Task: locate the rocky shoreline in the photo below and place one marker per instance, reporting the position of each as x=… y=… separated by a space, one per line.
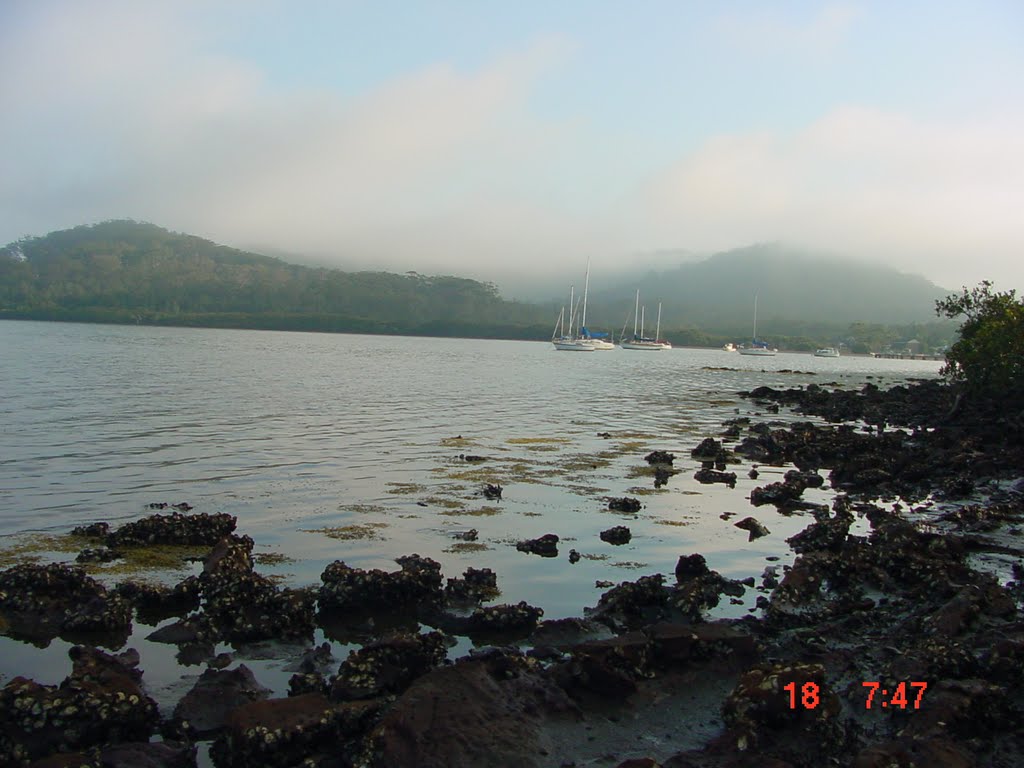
x=888 y=649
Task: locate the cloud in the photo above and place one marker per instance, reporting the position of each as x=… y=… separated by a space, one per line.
x=939 y=198
x=768 y=32
x=123 y=112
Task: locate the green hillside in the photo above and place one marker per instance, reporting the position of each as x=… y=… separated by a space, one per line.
x=126 y=271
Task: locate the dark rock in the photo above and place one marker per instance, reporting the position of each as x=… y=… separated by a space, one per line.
x=475 y=586
x=214 y=696
x=92 y=531
x=659 y=457
x=708 y=476
x=100 y=702
x=505 y=620
x=708 y=450
x=545 y=546
x=574 y=556
x=387 y=666
x=478 y=712
x=156 y=602
x=43 y=601
x=624 y=504
x=176 y=528
x=754 y=527
x=492 y=491
x=417 y=584
x=617 y=535
x=285 y=732
x=691 y=566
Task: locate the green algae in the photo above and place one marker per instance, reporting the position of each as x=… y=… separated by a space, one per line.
x=405 y=489
x=362 y=509
x=272 y=558
x=466 y=547
x=353 y=532
x=478 y=512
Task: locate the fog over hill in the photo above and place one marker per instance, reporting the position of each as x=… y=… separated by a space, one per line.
x=718 y=291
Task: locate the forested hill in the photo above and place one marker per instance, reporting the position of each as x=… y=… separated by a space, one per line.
x=133 y=272
x=127 y=271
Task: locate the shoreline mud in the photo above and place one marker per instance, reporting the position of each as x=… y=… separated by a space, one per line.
x=903 y=646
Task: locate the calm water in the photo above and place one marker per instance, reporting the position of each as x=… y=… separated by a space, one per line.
x=294 y=433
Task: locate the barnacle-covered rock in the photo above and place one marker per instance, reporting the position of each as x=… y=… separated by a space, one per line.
x=475 y=586
x=176 y=528
x=242 y=606
x=156 y=602
x=201 y=529
x=789 y=708
x=100 y=702
x=387 y=666
x=280 y=733
x=506 y=620
x=417 y=584
x=43 y=601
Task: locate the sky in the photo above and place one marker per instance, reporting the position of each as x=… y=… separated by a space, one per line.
x=481 y=138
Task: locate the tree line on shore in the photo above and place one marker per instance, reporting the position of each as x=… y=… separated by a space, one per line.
x=134 y=272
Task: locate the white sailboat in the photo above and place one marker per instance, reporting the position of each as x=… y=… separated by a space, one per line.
x=758 y=348
x=599 y=342
x=639 y=341
x=568 y=342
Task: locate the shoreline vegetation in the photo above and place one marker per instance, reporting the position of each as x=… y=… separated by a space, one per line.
x=903 y=646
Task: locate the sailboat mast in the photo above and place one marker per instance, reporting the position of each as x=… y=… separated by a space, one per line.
x=657 y=333
x=572 y=307
x=586 y=289
x=636 y=312
x=755 y=317
x=642 y=322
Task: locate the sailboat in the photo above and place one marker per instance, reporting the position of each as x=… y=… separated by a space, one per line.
x=568 y=342
x=599 y=340
x=639 y=341
x=759 y=348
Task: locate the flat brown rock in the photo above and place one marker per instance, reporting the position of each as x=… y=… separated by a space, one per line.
x=470 y=714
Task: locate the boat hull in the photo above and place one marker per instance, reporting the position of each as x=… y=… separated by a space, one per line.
x=757 y=352
x=574 y=346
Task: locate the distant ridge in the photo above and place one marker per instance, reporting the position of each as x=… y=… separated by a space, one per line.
x=791 y=285
x=137 y=272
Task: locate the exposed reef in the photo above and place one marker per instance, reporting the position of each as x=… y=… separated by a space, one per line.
x=884 y=643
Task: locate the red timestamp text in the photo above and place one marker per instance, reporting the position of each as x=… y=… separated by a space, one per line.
x=896 y=698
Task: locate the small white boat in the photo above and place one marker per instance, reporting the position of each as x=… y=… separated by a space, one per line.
x=826 y=352
x=730 y=347
x=758 y=348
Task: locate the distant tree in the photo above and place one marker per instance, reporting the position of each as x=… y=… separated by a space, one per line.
x=989 y=355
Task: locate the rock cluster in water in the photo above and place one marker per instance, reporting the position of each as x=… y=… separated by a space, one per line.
x=899 y=613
